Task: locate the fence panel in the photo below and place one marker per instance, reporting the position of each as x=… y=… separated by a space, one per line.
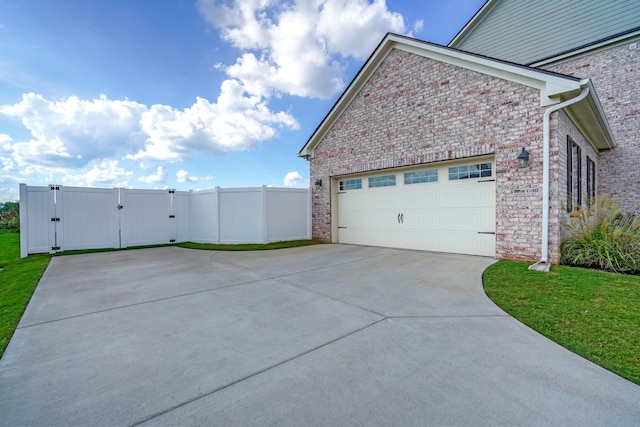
x=144 y=217
x=66 y=218
x=288 y=214
x=203 y=217
x=88 y=218
x=37 y=230
x=241 y=215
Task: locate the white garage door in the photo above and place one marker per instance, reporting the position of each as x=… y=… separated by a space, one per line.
x=444 y=208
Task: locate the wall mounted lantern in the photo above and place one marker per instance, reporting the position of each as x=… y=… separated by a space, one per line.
x=318 y=184
x=523 y=159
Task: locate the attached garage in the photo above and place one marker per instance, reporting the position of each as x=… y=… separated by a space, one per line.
x=446 y=207
x=421 y=152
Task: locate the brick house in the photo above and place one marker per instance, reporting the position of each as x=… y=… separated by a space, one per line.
x=422 y=149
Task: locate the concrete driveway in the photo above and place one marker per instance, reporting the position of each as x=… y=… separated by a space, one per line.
x=321 y=335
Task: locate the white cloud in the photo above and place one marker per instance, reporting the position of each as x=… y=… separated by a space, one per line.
x=236 y=122
x=293 y=48
x=293 y=179
x=158 y=177
x=106 y=173
x=183 y=176
x=73 y=133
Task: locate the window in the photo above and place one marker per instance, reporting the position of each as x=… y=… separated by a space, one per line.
x=579 y=174
x=351 y=184
x=382 y=181
x=418 y=177
x=478 y=170
x=591 y=181
x=569 y=174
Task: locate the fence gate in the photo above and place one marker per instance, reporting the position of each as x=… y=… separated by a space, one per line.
x=146 y=217
x=87 y=218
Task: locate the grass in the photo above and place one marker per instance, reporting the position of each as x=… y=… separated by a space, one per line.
x=247 y=246
x=18 y=280
x=593 y=313
x=9 y=247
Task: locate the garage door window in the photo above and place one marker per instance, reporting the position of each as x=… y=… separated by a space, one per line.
x=382 y=181
x=351 y=184
x=429 y=175
x=478 y=170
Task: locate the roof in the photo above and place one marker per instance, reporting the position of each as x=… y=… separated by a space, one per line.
x=527 y=32
x=553 y=87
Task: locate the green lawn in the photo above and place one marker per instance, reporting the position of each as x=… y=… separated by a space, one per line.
x=247 y=246
x=592 y=313
x=18 y=280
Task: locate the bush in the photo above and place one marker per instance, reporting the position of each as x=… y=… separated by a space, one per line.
x=602 y=237
x=10 y=216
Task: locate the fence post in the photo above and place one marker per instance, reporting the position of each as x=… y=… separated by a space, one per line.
x=265 y=215
x=24 y=223
x=217 y=197
x=309 y=214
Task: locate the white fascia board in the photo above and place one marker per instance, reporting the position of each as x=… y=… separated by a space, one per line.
x=588 y=116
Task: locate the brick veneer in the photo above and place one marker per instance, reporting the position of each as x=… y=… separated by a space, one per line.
x=414 y=110
x=616 y=75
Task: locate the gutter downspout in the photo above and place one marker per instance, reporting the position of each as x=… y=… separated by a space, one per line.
x=543 y=264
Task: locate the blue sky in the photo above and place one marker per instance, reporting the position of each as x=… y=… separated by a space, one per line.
x=184 y=94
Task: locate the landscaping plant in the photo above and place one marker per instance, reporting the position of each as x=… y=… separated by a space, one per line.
x=602 y=237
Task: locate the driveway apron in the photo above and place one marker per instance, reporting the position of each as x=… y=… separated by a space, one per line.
x=319 y=335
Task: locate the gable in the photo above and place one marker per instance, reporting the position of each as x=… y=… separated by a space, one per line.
x=526 y=32
x=552 y=88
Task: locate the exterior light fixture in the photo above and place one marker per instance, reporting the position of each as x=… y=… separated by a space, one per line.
x=523 y=158
x=318 y=184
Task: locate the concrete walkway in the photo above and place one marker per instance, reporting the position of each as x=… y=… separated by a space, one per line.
x=322 y=335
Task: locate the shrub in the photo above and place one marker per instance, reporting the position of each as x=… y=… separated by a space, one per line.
x=9 y=216
x=602 y=237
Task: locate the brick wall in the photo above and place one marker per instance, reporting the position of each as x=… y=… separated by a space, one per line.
x=558 y=177
x=615 y=73
x=415 y=110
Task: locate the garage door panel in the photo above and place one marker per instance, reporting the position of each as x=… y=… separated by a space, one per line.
x=455 y=216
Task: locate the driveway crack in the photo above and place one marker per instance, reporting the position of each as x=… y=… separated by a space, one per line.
x=254 y=374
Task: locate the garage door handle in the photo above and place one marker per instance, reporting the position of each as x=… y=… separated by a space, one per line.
x=400 y=218
x=486 y=232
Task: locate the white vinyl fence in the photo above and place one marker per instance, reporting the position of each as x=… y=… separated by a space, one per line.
x=58 y=218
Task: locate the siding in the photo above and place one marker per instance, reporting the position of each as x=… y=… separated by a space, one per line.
x=525 y=31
